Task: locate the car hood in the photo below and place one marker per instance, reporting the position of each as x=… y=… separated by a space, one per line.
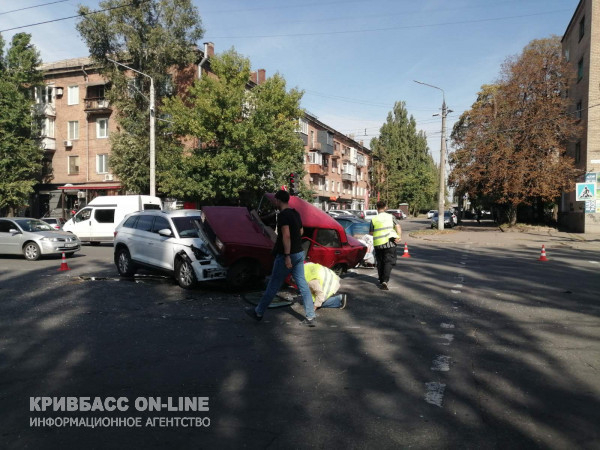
x=52 y=234
x=234 y=224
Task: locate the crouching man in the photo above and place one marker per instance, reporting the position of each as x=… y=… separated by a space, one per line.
x=324 y=284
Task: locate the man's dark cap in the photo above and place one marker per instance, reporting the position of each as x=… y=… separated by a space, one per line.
x=283 y=196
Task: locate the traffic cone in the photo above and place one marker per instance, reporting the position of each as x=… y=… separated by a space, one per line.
x=543 y=255
x=406 y=254
x=63 y=264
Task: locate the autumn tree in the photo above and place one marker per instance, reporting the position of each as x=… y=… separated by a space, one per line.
x=20 y=152
x=154 y=37
x=403 y=170
x=247 y=140
x=510 y=146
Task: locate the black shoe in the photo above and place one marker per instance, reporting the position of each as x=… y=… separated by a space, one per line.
x=309 y=322
x=252 y=313
x=344 y=301
x=384 y=286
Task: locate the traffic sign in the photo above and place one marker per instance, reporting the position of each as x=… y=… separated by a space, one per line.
x=585 y=191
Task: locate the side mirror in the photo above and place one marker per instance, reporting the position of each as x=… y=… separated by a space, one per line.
x=165 y=232
x=14 y=231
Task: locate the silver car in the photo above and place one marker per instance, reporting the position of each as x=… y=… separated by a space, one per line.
x=33 y=238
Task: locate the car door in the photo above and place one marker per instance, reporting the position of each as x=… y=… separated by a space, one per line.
x=326 y=248
x=10 y=243
x=82 y=224
x=140 y=239
x=160 y=248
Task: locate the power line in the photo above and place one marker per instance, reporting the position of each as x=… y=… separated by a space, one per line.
x=403 y=27
x=31 y=7
x=135 y=3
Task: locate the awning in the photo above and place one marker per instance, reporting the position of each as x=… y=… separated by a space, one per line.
x=83 y=187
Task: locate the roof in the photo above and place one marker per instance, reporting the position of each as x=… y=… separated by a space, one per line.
x=579 y=6
x=66 y=64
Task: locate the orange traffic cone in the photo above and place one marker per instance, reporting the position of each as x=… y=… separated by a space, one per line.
x=543 y=255
x=406 y=254
x=63 y=264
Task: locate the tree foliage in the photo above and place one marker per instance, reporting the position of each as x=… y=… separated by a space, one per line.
x=247 y=141
x=154 y=37
x=20 y=153
x=510 y=146
x=403 y=170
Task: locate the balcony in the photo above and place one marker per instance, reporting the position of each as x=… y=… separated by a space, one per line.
x=348 y=177
x=361 y=161
x=317 y=169
x=315 y=146
x=97 y=105
x=44 y=109
x=49 y=144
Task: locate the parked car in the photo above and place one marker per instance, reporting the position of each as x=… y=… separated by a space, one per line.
x=34 y=238
x=354 y=226
x=357 y=212
x=173 y=242
x=244 y=239
x=450 y=219
x=56 y=222
x=339 y=212
x=397 y=213
x=370 y=213
x=431 y=213
x=96 y=222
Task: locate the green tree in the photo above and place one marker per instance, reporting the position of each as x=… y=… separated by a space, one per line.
x=403 y=171
x=158 y=38
x=247 y=139
x=510 y=146
x=20 y=153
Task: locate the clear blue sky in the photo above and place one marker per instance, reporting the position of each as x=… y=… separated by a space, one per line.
x=353 y=59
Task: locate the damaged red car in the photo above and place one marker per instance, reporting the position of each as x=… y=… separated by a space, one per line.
x=242 y=239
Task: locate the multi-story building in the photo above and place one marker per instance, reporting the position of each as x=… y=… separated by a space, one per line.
x=581 y=47
x=336 y=166
x=77 y=120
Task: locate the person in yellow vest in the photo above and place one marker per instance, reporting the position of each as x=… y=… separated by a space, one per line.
x=324 y=284
x=386 y=232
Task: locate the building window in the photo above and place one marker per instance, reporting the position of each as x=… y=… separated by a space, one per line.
x=102 y=163
x=73 y=95
x=47 y=127
x=73 y=165
x=567 y=55
x=578 y=109
x=101 y=128
x=581 y=27
x=73 y=130
x=303 y=126
x=315 y=158
x=578 y=152
x=580 y=70
x=329 y=139
x=44 y=95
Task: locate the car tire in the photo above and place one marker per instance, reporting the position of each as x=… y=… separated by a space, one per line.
x=243 y=274
x=125 y=265
x=31 y=251
x=184 y=273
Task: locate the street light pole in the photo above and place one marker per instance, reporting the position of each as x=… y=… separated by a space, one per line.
x=152 y=128
x=442 y=191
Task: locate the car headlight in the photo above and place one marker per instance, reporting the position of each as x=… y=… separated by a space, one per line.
x=200 y=253
x=49 y=239
x=219 y=244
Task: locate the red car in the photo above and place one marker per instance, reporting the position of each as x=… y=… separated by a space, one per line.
x=243 y=240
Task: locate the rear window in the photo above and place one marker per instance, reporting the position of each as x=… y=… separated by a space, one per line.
x=144 y=223
x=328 y=238
x=149 y=206
x=104 y=215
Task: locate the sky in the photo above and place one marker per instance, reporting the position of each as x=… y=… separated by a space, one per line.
x=353 y=59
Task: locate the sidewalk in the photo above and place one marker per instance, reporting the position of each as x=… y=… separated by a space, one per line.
x=489 y=235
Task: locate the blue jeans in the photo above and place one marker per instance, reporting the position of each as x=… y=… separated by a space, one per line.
x=278 y=276
x=335 y=301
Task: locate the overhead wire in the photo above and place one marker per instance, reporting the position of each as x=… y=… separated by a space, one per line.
x=32 y=7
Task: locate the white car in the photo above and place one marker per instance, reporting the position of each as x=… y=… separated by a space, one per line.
x=431 y=213
x=173 y=242
x=370 y=213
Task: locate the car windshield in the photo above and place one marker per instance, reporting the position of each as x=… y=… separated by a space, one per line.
x=33 y=225
x=189 y=226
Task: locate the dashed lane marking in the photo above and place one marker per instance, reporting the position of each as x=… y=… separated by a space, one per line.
x=441 y=363
x=435 y=393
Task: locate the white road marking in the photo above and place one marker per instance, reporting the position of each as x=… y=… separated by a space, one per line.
x=435 y=393
x=446 y=325
x=454 y=291
x=593 y=262
x=458 y=285
x=441 y=363
x=448 y=337
x=463 y=263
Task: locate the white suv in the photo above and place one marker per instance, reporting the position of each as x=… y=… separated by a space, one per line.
x=171 y=242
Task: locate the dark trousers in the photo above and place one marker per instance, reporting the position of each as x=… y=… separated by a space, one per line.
x=386 y=258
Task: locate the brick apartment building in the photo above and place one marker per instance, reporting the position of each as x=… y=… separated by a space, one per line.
x=581 y=47
x=77 y=120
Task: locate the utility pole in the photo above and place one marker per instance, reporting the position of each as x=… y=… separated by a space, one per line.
x=442 y=191
x=152 y=127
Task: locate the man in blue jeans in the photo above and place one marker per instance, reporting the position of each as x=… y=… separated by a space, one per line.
x=289 y=258
x=324 y=284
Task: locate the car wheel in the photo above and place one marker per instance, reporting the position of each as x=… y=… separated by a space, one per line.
x=31 y=251
x=243 y=274
x=184 y=273
x=125 y=265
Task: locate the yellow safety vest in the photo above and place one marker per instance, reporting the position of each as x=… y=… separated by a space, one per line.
x=325 y=277
x=383 y=229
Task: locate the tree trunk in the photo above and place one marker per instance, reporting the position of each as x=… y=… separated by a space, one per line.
x=512 y=214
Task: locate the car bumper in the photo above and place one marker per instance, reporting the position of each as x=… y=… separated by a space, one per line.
x=208 y=270
x=50 y=248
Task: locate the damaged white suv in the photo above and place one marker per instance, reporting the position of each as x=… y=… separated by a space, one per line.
x=171 y=242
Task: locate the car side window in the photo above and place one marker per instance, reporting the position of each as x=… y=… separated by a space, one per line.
x=105 y=215
x=328 y=238
x=82 y=215
x=160 y=223
x=6 y=226
x=130 y=223
x=144 y=223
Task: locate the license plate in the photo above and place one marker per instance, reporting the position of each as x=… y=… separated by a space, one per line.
x=71 y=245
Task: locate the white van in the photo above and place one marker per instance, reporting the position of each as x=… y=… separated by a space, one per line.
x=97 y=221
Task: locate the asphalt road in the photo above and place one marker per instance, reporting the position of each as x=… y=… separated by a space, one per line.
x=471 y=348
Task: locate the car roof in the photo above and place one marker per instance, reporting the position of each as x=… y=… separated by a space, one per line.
x=173 y=213
x=352 y=219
